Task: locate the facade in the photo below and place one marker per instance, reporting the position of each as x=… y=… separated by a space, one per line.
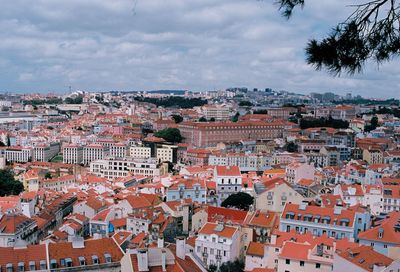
x=297 y=171
x=72 y=154
x=246 y=162
x=195 y=190
x=228 y=180
x=94 y=152
x=141 y=152
x=335 y=222
x=18 y=154
x=273 y=195
x=212 y=133
x=121 y=167
x=217 y=244
x=44 y=152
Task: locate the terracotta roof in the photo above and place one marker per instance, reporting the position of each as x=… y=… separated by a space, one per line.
x=295 y=251
x=365 y=257
x=32 y=253
x=227 y=171
x=225 y=214
x=386 y=228
x=99 y=248
x=211 y=228
x=255 y=249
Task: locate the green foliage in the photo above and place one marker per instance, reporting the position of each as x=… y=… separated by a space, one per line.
x=239 y=200
x=173 y=101
x=260 y=112
x=323 y=122
x=48 y=175
x=235 y=118
x=235 y=266
x=202 y=119
x=245 y=103
x=76 y=100
x=373 y=125
x=35 y=102
x=8 y=184
x=370 y=32
x=291 y=147
x=177 y=118
x=172 y=135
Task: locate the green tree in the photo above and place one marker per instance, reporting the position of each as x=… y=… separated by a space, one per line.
x=8 y=184
x=212 y=119
x=235 y=266
x=202 y=119
x=245 y=103
x=177 y=118
x=372 y=31
x=239 y=200
x=291 y=147
x=48 y=175
x=172 y=135
x=235 y=118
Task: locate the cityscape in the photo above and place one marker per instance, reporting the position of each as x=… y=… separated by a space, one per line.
x=101 y=170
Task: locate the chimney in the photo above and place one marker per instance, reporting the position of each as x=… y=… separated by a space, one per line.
x=78 y=242
x=181 y=247
x=160 y=241
x=164 y=260
x=143 y=260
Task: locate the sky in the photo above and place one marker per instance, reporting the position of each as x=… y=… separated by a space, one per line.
x=100 y=45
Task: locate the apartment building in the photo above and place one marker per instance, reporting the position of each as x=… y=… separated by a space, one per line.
x=211 y=133
x=94 y=152
x=217 y=244
x=217 y=112
x=335 y=222
x=140 y=152
x=44 y=152
x=195 y=190
x=297 y=171
x=228 y=180
x=246 y=162
x=120 y=167
x=118 y=150
x=72 y=154
x=18 y=154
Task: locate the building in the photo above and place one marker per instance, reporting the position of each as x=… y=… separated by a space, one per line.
x=217 y=244
x=121 y=167
x=273 y=194
x=18 y=154
x=385 y=237
x=246 y=162
x=362 y=259
x=216 y=112
x=72 y=154
x=118 y=150
x=373 y=156
x=211 y=133
x=15 y=227
x=94 y=152
x=297 y=171
x=335 y=222
x=140 y=152
x=228 y=180
x=45 y=152
x=195 y=190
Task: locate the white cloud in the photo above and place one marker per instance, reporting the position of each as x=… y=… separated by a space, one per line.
x=196 y=44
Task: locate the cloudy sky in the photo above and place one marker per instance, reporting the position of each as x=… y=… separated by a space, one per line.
x=48 y=45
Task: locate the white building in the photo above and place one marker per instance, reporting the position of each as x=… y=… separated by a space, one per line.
x=72 y=154
x=140 y=152
x=118 y=150
x=121 y=167
x=246 y=162
x=94 y=152
x=217 y=244
x=228 y=180
x=44 y=152
x=18 y=154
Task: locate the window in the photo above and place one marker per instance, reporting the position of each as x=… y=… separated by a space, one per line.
x=317 y=265
x=82 y=261
x=107 y=257
x=287 y=261
x=301 y=263
x=384 y=246
x=276 y=249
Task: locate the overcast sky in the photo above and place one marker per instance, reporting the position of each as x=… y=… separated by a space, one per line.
x=48 y=45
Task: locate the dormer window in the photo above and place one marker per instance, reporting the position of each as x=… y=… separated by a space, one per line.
x=82 y=261
x=53 y=263
x=95 y=259
x=9 y=267
x=32 y=266
x=380 y=233
x=42 y=265
x=107 y=257
x=21 y=267
x=68 y=262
